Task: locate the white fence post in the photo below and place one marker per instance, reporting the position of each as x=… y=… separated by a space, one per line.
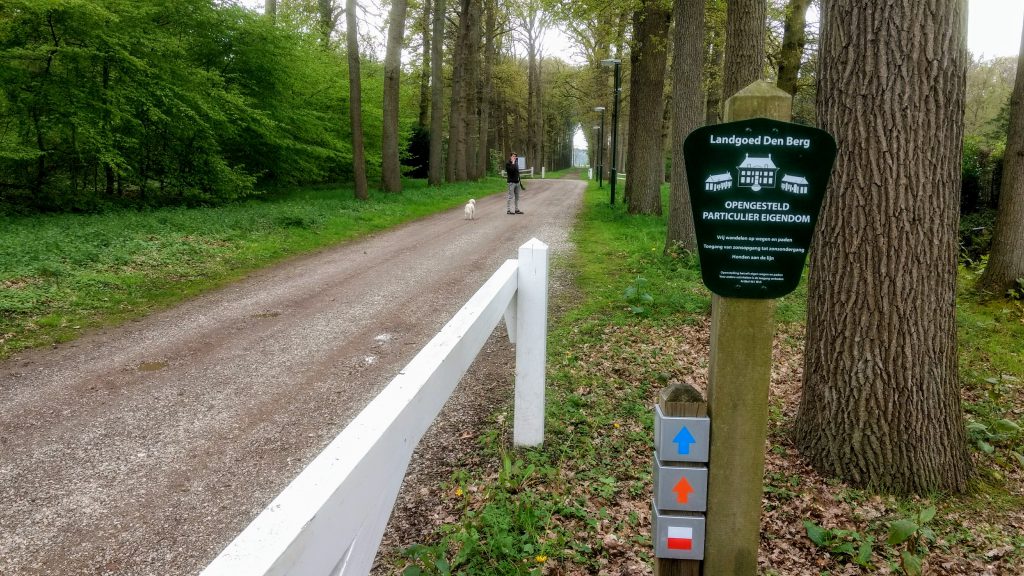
x=531 y=344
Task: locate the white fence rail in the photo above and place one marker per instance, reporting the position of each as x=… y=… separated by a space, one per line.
x=330 y=519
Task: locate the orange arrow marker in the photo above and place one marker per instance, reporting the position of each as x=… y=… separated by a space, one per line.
x=682 y=490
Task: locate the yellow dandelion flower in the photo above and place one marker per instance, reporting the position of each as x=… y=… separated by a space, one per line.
x=541 y=558
x=458 y=491
x=617 y=425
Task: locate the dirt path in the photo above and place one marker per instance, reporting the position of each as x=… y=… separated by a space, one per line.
x=146 y=449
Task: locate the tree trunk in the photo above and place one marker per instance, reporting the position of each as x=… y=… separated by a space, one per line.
x=687 y=114
x=881 y=399
x=490 y=30
x=271 y=10
x=327 y=21
x=391 y=170
x=645 y=156
x=355 y=103
x=744 y=44
x=716 y=55
x=456 y=168
x=435 y=172
x=1006 y=262
x=473 y=91
x=794 y=36
x=424 y=119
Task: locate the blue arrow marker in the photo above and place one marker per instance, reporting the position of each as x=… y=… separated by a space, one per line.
x=683 y=440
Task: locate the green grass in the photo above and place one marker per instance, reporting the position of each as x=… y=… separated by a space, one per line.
x=61 y=274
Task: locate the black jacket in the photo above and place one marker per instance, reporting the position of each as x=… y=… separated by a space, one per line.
x=511 y=171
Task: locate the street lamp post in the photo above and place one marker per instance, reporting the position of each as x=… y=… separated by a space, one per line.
x=597 y=155
x=613 y=176
x=600 y=147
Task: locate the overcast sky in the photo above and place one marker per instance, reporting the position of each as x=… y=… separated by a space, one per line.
x=994 y=28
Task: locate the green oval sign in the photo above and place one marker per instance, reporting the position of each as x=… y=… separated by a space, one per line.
x=756 y=188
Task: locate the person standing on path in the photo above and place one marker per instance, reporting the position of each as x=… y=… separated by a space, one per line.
x=514 y=186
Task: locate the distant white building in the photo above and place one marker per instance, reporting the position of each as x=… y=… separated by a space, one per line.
x=717 y=182
x=757 y=172
x=794 y=184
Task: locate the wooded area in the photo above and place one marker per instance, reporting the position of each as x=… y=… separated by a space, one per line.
x=107 y=103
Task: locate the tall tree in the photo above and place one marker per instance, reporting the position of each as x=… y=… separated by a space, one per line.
x=881 y=397
x=687 y=113
x=391 y=170
x=327 y=21
x=744 y=44
x=455 y=169
x=424 y=118
x=474 y=92
x=355 y=103
x=435 y=172
x=1006 y=262
x=794 y=36
x=714 y=38
x=271 y=9
x=645 y=158
x=533 y=21
x=490 y=33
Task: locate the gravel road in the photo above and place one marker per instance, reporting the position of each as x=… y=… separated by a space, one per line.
x=145 y=449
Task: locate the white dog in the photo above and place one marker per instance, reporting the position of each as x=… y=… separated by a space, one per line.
x=470 y=210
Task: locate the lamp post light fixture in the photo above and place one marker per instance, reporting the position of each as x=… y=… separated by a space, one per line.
x=613 y=176
x=600 y=147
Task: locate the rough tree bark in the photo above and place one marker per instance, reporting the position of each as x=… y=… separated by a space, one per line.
x=490 y=32
x=355 y=103
x=473 y=90
x=1006 y=261
x=744 y=44
x=435 y=171
x=271 y=9
x=456 y=166
x=645 y=156
x=881 y=398
x=794 y=36
x=424 y=118
x=687 y=114
x=391 y=170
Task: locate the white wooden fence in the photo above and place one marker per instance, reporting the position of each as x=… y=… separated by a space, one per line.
x=330 y=519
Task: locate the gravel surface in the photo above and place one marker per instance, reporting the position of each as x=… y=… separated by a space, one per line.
x=146 y=449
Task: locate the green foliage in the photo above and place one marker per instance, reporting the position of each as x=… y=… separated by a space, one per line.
x=845 y=544
x=165 y=102
x=1017 y=292
x=976 y=230
x=62 y=273
x=915 y=537
x=981 y=165
x=637 y=296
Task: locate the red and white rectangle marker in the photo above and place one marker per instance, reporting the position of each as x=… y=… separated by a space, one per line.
x=680 y=538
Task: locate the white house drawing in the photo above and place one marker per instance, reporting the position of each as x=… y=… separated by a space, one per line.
x=717 y=182
x=757 y=172
x=794 y=184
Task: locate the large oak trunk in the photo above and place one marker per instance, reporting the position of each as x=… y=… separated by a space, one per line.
x=687 y=113
x=1006 y=262
x=645 y=156
x=881 y=405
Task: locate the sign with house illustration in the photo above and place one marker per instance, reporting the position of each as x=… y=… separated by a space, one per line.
x=756 y=187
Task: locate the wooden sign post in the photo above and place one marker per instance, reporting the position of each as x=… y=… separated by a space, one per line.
x=756 y=186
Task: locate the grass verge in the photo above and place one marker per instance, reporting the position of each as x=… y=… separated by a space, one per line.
x=637 y=319
x=61 y=274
